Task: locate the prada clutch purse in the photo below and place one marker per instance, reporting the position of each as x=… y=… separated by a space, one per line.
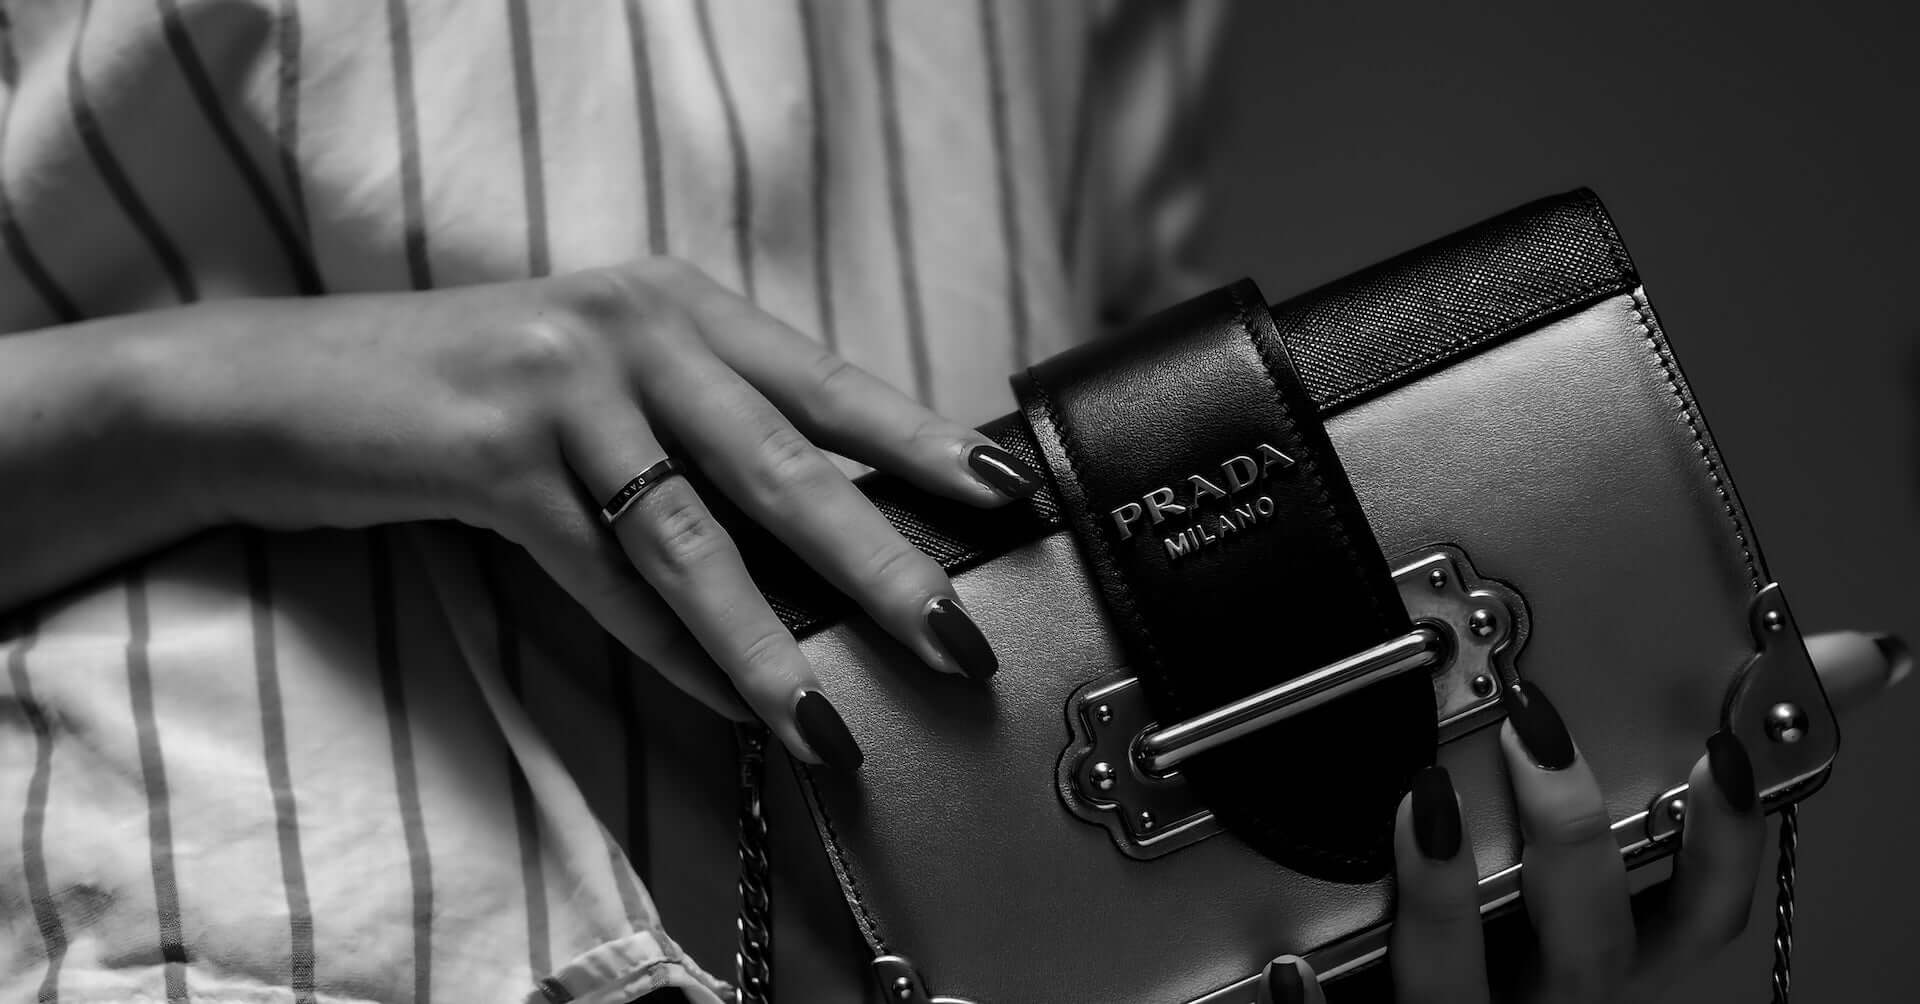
x=1286 y=556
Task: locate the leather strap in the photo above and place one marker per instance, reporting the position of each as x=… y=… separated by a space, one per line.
x=1233 y=555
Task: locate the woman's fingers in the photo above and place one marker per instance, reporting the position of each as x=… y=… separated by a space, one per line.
x=1856 y=667
x=691 y=561
x=788 y=486
x=572 y=546
x=1436 y=951
x=1573 y=879
x=1289 y=980
x=846 y=409
x=1721 y=840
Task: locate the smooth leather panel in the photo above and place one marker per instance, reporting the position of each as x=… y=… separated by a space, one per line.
x=1560 y=461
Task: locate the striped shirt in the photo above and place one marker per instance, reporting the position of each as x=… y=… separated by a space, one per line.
x=396 y=764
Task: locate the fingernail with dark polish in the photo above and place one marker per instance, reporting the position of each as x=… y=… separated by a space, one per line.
x=1282 y=983
x=1899 y=657
x=960 y=638
x=1003 y=472
x=821 y=727
x=1539 y=725
x=1732 y=771
x=1436 y=815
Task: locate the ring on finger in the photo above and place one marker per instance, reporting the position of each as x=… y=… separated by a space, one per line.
x=637 y=487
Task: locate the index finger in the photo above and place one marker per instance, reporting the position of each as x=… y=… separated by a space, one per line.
x=1856 y=667
x=847 y=410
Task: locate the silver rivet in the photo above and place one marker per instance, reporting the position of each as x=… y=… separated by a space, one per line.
x=1481 y=622
x=1146 y=819
x=1437 y=578
x=1483 y=685
x=1103 y=714
x=1786 y=723
x=903 y=988
x=1677 y=808
x=1774 y=621
x=1103 y=776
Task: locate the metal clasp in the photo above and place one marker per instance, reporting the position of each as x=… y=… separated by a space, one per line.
x=1121 y=768
x=1161 y=750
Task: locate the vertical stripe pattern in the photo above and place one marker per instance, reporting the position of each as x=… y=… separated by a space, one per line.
x=533 y=179
x=525 y=817
x=287 y=119
x=822 y=162
x=393 y=692
x=737 y=145
x=181 y=44
x=621 y=667
x=153 y=774
x=652 y=175
x=1080 y=146
x=901 y=214
x=273 y=732
x=58 y=303
x=407 y=119
x=104 y=161
x=33 y=823
x=1004 y=186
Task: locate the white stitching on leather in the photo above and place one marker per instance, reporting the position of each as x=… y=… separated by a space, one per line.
x=1642 y=312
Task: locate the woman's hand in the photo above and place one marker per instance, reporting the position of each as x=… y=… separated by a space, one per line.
x=522 y=407
x=1590 y=946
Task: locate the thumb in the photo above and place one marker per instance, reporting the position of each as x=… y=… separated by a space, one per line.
x=1289 y=980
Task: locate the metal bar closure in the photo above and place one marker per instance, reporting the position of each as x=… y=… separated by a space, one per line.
x=1233 y=557
x=1163 y=750
x=1123 y=770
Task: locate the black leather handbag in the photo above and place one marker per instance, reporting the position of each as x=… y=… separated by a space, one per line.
x=1286 y=557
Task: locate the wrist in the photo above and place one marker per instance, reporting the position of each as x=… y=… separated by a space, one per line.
x=170 y=385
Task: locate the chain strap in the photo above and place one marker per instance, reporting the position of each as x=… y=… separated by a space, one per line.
x=753 y=960
x=1783 y=904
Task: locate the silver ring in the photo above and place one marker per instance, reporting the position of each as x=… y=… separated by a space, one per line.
x=642 y=483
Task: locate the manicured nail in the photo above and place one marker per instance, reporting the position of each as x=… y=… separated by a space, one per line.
x=1436 y=815
x=1002 y=472
x=1732 y=771
x=1539 y=725
x=961 y=639
x=821 y=727
x=1282 y=983
x=1899 y=657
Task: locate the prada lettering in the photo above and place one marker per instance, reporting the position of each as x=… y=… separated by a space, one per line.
x=1211 y=500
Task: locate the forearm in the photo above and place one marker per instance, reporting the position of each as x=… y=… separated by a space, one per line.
x=89 y=479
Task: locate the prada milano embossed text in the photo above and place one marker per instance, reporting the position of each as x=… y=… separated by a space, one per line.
x=1219 y=513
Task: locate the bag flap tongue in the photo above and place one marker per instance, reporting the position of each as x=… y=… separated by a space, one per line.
x=1233 y=556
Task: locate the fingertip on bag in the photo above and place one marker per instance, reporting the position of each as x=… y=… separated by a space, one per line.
x=1539 y=726
x=1282 y=983
x=1003 y=472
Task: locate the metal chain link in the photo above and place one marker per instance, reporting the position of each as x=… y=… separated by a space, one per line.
x=753 y=960
x=1783 y=904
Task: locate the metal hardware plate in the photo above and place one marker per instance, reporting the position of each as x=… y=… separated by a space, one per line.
x=900 y=981
x=1785 y=771
x=1103 y=774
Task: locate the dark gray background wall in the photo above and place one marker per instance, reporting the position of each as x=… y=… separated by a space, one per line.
x=1760 y=161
